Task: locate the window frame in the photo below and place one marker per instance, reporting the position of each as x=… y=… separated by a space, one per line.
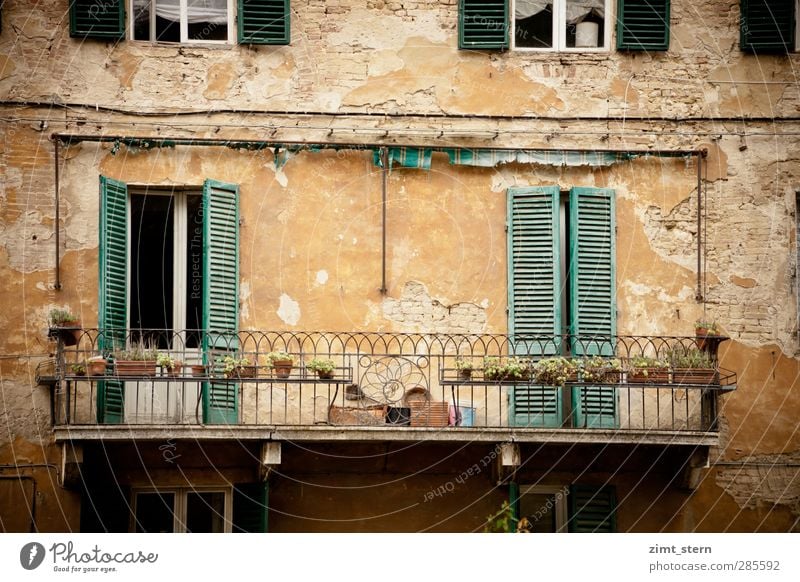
x=561 y=508
x=184 y=27
x=559 y=30
x=179 y=515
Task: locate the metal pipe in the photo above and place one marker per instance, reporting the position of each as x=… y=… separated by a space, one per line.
x=384 y=188
x=57 y=225
x=699 y=293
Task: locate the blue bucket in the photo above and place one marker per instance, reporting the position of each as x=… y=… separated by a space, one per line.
x=467 y=414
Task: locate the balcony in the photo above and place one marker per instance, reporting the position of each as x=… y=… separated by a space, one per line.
x=390 y=387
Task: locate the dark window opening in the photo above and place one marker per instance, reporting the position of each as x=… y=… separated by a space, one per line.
x=152 y=277
x=205 y=512
x=535 y=31
x=155 y=512
x=540 y=511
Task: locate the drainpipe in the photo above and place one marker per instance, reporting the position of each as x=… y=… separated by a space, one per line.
x=700 y=157
x=57 y=223
x=384 y=186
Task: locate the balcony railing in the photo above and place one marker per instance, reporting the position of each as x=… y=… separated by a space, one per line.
x=391 y=380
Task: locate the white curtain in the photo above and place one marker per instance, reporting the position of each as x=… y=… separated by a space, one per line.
x=576 y=9
x=214 y=11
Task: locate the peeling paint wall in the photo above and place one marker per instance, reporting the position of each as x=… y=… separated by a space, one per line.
x=311 y=235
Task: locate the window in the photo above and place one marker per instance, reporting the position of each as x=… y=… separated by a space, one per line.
x=168 y=261
x=562 y=282
x=643 y=25
x=560 y=24
x=196 y=510
x=183 y=21
x=768 y=26
x=575 y=508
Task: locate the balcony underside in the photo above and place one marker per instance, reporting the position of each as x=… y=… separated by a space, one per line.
x=382 y=434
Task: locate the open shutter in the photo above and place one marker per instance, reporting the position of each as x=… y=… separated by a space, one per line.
x=513 y=497
x=593 y=296
x=251 y=508
x=113 y=301
x=483 y=24
x=220 y=295
x=94 y=19
x=767 y=25
x=643 y=25
x=534 y=283
x=592 y=509
x=264 y=22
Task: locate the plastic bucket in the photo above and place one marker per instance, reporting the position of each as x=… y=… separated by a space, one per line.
x=586 y=34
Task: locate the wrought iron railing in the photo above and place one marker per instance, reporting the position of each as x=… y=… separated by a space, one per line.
x=390 y=380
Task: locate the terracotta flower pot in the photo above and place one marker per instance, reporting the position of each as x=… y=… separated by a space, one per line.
x=174 y=371
x=135 y=367
x=198 y=370
x=325 y=375
x=702 y=376
x=648 y=376
x=96 y=367
x=68 y=332
x=282 y=368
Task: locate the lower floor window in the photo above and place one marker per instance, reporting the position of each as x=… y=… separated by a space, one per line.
x=182 y=510
x=543 y=509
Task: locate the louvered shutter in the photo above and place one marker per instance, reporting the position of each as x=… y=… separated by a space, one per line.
x=593 y=296
x=264 y=22
x=97 y=19
x=483 y=24
x=220 y=295
x=592 y=509
x=767 y=25
x=251 y=508
x=113 y=301
x=643 y=25
x=534 y=283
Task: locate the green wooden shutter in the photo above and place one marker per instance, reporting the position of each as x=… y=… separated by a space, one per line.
x=767 y=25
x=251 y=508
x=483 y=24
x=220 y=295
x=264 y=22
x=643 y=25
x=593 y=296
x=513 y=497
x=534 y=307
x=592 y=509
x=113 y=300
x=97 y=19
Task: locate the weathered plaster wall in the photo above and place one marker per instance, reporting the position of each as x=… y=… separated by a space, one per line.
x=311 y=233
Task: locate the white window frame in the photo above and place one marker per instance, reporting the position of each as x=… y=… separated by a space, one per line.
x=560 y=507
x=184 y=26
x=181 y=494
x=559 y=30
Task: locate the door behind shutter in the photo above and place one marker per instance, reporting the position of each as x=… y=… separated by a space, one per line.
x=220 y=296
x=113 y=300
x=534 y=307
x=593 y=293
x=592 y=509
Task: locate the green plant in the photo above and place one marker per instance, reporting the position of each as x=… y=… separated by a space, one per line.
x=138 y=352
x=513 y=368
x=78 y=369
x=554 y=371
x=599 y=369
x=231 y=365
x=61 y=318
x=166 y=361
x=711 y=327
x=463 y=364
x=690 y=358
x=321 y=366
x=502 y=521
x=273 y=357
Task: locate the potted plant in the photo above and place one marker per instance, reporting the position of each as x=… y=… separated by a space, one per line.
x=198 y=370
x=78 y=369
x=64 y=326
x=647 y=370
x=138 y=360
x=692 y=366
x=96 y=366
x=323 y=367
x=704 y=330
x=601 y=370
x=281 y=362
x=169 y=366
x=465 y=368
x=513 y=369
x=236 y=367
x=555 y=371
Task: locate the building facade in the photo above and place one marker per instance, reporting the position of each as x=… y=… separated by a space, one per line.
x=548 y=193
